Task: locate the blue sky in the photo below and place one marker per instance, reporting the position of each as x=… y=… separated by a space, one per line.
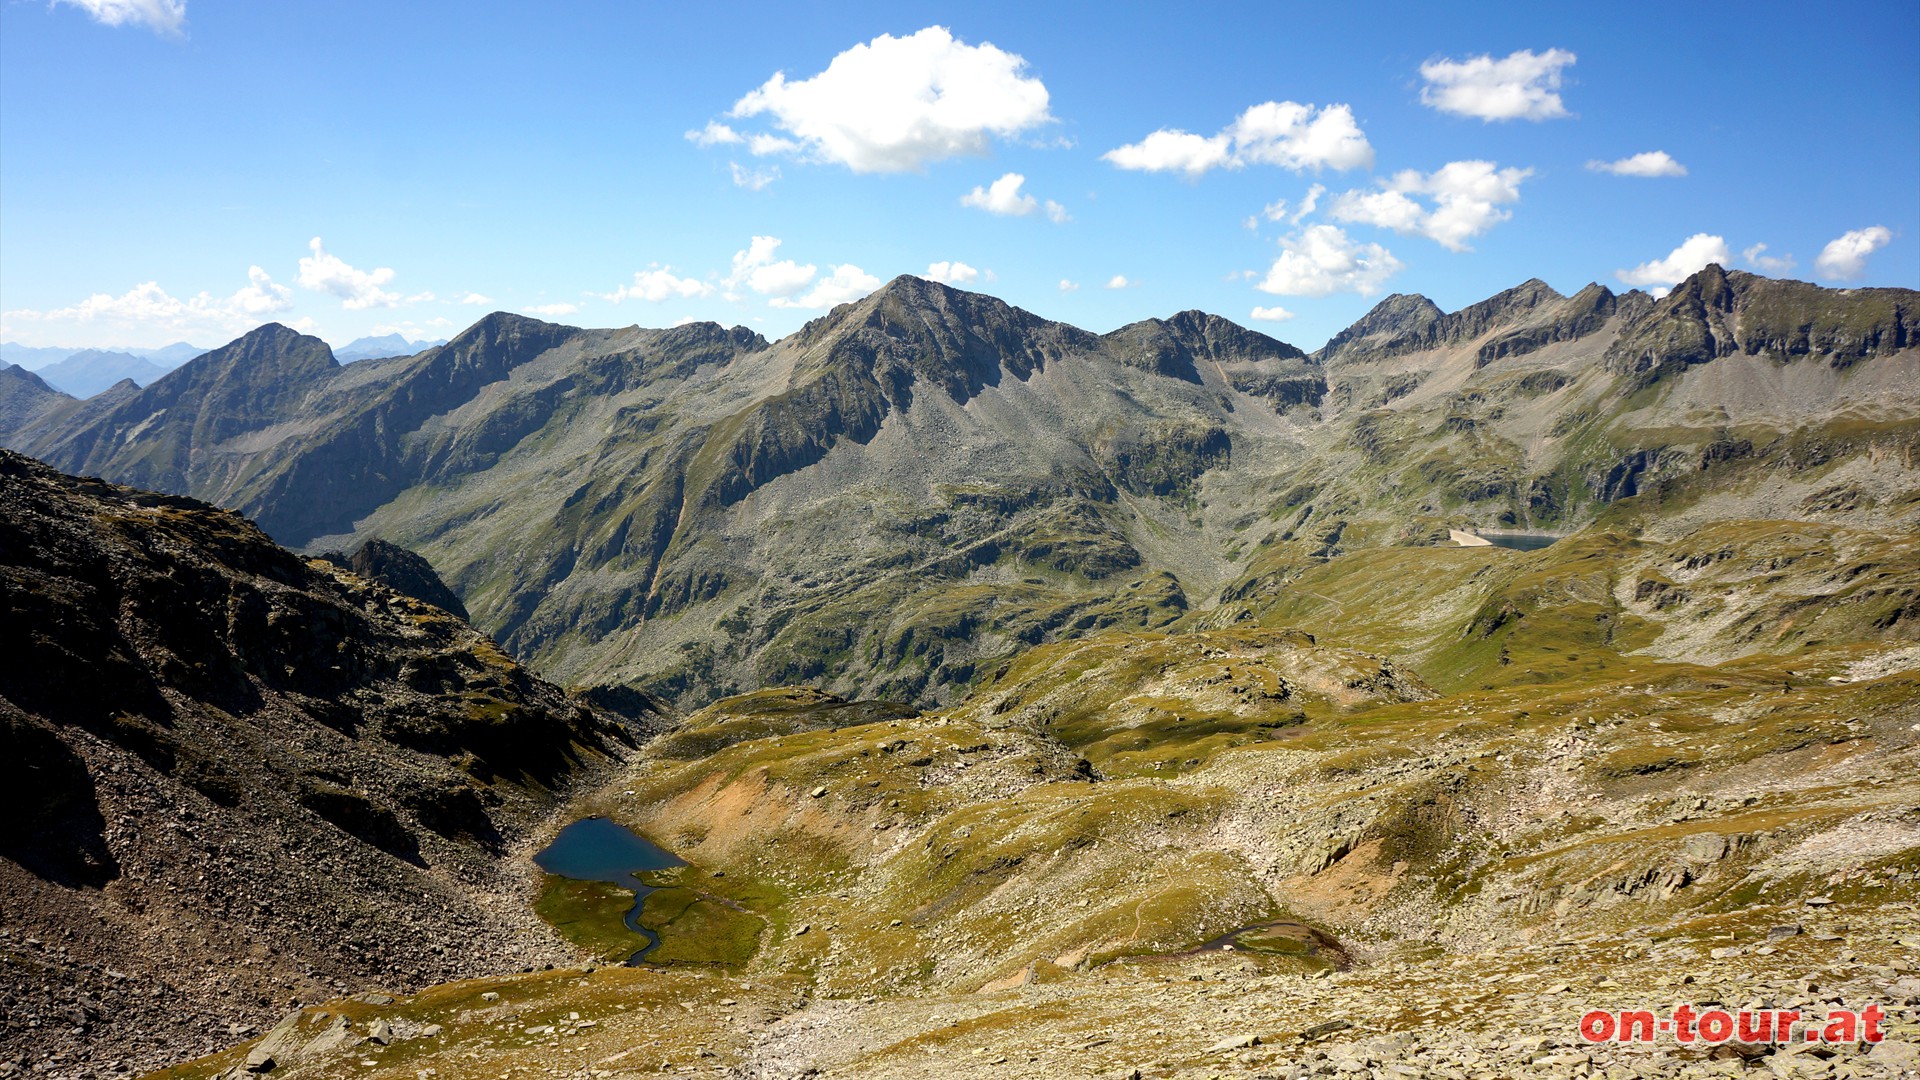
x=167 y=165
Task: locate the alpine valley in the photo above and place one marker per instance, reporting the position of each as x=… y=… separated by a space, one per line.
x=1022 y=701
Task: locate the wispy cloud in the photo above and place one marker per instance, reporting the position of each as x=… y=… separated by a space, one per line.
x=1757 y=258
x=753 y=179
x=167 y=17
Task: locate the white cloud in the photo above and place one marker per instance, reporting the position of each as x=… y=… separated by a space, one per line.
x=1650 y=163
x=1119 y=281
x=1173 y=150
x=1467 y=196
x=846 y=283
x=1003 y=197
x=714 y=134
x=261 y=296
x=764 y=145
x=1284 y=133
x=1846 y=257
x=1692 y=256
x=162 y=16
x=357 y=289
x=753 y=179
x=147 y=315
x=1057 y=213
x=474 y=298
x=658 y=283
x=756 y=269
x=951 y=273
x=896 y=104
x=1277 y=210
x=1294 y=136
x=1320 y=260
x=1522 y=86
x=551 y=310
x=1069 y=286
x=1272 y=314
x=1757 y=258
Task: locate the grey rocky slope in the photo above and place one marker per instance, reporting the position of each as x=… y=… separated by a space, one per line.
x=925 y=482
x=232 y=775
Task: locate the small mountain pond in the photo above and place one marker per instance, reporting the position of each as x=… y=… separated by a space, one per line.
x=599 y=849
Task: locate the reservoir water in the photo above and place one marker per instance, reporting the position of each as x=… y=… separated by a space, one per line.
x=600 y=849
x=1520 y=541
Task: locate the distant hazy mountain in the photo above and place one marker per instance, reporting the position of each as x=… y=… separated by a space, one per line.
x=90 y=371
x=916 y=486
x=370 y=348
x=169 y=356
x=33 y=358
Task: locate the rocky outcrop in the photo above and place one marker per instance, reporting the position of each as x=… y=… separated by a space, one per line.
x=231 y=773
x=402 y=571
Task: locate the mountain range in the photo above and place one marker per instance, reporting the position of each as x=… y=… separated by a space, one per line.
x=920 y=484
x=34 y=358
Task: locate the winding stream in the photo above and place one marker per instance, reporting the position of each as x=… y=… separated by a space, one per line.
x=600 y=849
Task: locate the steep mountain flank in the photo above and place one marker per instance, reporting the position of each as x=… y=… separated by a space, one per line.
x=231 y=773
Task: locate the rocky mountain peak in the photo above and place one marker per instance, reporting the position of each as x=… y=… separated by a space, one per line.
x=1710 y=287
x=1717 y=312
x=914 y=330
x=1172 y=346
x=1399 y=315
